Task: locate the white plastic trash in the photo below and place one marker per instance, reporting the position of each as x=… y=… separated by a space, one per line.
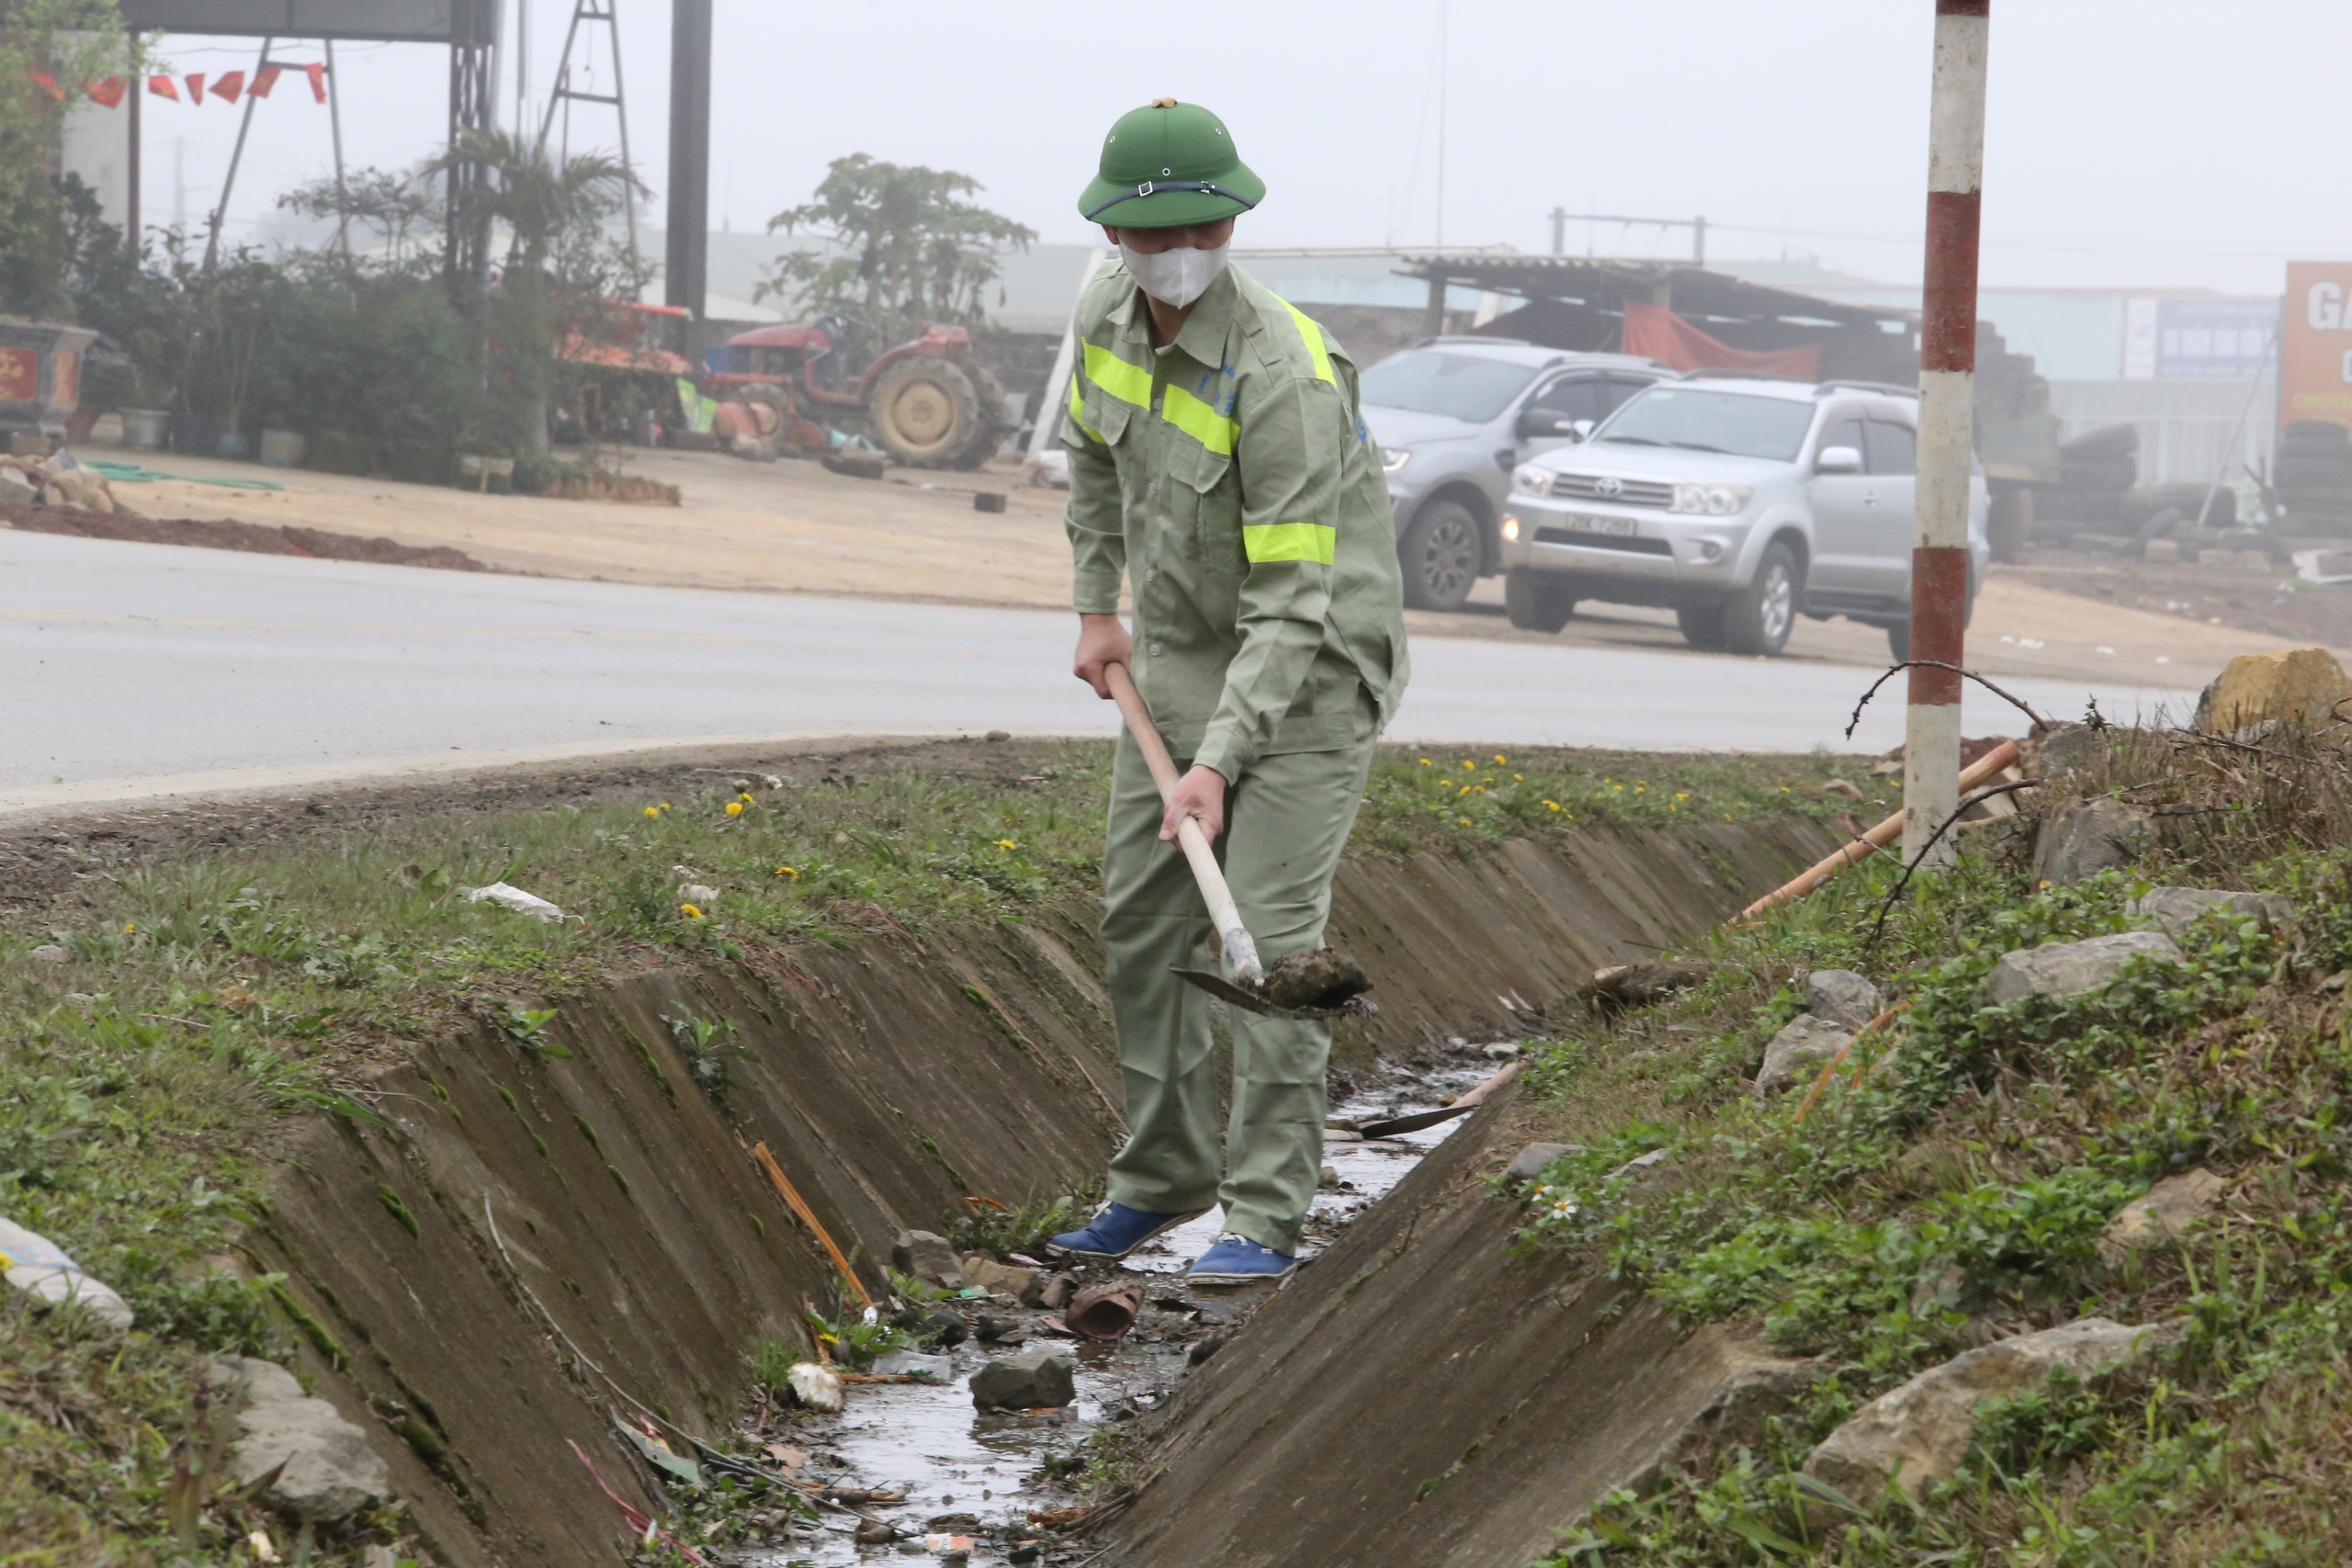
x=514 y=898
x=819 y=1388
x=39 y=1267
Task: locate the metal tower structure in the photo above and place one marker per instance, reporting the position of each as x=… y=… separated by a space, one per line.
x=473 y=87
x=688 y=264
x=603 y=13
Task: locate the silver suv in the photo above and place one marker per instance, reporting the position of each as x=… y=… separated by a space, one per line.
x=1454 y=416
x=1737 y=503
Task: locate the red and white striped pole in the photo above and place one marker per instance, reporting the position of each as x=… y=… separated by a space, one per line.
x=1947 y=400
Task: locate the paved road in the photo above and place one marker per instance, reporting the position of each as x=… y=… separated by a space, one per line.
x=132 y=670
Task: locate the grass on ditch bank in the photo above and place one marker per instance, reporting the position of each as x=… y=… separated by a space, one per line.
x=205 y=996
x=1960 y=1196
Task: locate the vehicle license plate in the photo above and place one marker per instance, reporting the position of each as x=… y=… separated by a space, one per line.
x=1594 y=523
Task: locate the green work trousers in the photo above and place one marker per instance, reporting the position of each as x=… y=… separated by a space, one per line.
x=1286 y=823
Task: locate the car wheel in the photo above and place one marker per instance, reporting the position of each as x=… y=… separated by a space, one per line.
x=1758 y=618
x=1702 y=624
x=1537 y=601
x=1442 y=551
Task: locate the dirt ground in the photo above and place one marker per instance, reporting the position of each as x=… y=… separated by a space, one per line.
x=793 y=527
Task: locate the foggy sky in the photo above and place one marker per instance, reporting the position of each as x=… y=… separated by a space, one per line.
x=2130 y=142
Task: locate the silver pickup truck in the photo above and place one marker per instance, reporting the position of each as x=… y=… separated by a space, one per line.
x=1737 y=503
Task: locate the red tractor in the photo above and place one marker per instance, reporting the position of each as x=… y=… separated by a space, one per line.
x=929 y=403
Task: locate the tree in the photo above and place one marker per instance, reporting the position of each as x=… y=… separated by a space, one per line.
x=387 y=206
x=49 y=50
x=906 y=247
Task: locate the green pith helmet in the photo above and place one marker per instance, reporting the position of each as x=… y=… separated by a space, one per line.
x=1167 y=164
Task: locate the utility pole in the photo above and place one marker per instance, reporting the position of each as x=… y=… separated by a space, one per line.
x=1947 y=400
x=1699 y=240
x=685 y=276
x=1559 y=230
x=132 y=193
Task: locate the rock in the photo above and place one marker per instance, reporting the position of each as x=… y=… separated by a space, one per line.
x=50 y=953
x=944 y=1329
x=1920 y=1432
x=998 y=1330
x=874 y=1532
x=2173 y=909
x=2299 y=686
x=1327 y=1178
x=1796 y=1053
x=1321 y=978
x=1026 y=1286
x=2062 y=969
x=1529 y=1164
x=2068 y=748
x=1846 y=787
x=1030 y=1380
x=1842 y=997
x=853 y=464
x=1627 y=986
x=1058 y=1291
x=999 y=735
x=1640 y=1166
x=329 y=1471
x=924 y=1255
x=15 y=487
x=914 y=1364
x=1203 y=1348
x=2089 y=836
x=2166 y=1210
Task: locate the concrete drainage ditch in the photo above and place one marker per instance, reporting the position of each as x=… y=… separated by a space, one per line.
x=639 y=1253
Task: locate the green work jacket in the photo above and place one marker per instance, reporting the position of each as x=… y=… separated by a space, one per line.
x=1229 y=477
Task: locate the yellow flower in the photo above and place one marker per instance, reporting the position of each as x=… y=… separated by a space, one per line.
x=653 y=811
x=690 y=911
x=1464 y=821
x=1463 y=789
x=1640 y=789
x=1681 y=795
x=1425 y=762
x=128 y=929
x=746 y=798
x=1468 y=764
x=1519 y=777
x=734 y=808
x=1006 y=844
x=1500 y=759
x=1553 y=804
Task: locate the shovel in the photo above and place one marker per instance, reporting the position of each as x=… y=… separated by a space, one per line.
x=1246 y=989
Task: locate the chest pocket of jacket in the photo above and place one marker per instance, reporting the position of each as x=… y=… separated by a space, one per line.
x=1103 y=414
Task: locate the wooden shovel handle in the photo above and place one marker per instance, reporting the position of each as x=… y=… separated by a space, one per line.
x=1240 y=949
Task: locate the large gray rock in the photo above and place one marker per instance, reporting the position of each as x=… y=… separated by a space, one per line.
x=2062 y=969
x=1529 y=1162
x=329 y=1472
x=1030 y=1380
x=1024 y=1285
x=1796 y=1054
x=922 y=1255
x=2173 y=909
x=2089 y=836
x=1919 y=1433
x=1841 y=996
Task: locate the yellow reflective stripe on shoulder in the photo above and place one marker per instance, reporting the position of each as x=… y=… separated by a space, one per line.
x=1128 y=383
x=1078 y=411
x=1316 y=348
x=1265 y=542
x=1198 y=420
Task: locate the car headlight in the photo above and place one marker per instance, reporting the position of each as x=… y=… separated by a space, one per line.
x=1529 y=479
x=1712 y=501
x=1394 y=458
x=1510 y=527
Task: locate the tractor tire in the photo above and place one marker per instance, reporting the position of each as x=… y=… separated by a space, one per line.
x=995 y=417
x=924 y=412
x=1442 y=552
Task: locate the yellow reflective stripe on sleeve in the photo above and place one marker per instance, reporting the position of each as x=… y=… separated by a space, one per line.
x=1264 y=542
x=1316 y=349
x=1128 y=383
x=1199 y=421
x=1078 y=411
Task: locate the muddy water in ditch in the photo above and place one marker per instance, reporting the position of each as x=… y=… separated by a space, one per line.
x=928 y=1442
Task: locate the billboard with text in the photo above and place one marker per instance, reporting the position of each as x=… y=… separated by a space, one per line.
x=2316 y=343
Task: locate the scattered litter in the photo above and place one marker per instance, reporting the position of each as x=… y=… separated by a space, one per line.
x=699 y=894
x=1104 y=1311
x=2102 y=651
x=660 y=1454
x=514 y=898
x=39 y=1267
x=2032 y=642
x=2324 y=565
x=817 y=1387
x=137 y=474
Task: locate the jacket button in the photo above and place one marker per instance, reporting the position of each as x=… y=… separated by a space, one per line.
x=1151 y=574
x=1155 y=650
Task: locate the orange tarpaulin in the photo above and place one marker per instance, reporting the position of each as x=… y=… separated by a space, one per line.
x=1658 y=334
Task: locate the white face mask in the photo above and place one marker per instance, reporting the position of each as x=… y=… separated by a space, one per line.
x=1175 y=278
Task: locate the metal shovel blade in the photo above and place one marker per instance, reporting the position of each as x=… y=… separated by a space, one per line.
x=1217 y=986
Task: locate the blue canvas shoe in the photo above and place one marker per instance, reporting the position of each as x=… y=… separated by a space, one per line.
x=1115 y=1231
x=1238 y=1260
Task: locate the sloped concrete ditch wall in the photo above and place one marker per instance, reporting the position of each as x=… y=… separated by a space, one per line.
x=584 y=1178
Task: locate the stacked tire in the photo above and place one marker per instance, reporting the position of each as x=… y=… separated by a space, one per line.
x=2312 y=476
x=2094 y=473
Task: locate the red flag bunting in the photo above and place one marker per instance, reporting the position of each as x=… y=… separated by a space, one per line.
x=264 y=80
x=228 y=85
x=164 y=87
x=48 y=83
x=317 y=72
x=196 y=86
x=109 y=93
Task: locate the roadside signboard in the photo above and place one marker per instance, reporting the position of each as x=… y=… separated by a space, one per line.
x=2316 y=343
x=2215 y=339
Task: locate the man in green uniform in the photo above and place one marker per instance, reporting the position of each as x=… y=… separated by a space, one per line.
x=1218 y=464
